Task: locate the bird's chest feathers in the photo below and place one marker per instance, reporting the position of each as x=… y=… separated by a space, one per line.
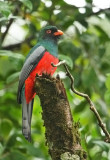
x=44 y=66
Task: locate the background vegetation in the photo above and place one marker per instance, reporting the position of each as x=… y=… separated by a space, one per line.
x=85 y=46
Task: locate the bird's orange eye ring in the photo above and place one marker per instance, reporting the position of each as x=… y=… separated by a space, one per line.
x=48 y=31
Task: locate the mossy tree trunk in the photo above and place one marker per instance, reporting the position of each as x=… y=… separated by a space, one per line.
x=62 y=134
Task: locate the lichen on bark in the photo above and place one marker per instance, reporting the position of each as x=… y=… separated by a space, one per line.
x=62 y=134
x=68 y=156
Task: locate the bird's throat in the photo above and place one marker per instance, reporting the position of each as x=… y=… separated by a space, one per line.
x=51 y=46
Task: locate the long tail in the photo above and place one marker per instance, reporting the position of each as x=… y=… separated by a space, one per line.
x=26 y=118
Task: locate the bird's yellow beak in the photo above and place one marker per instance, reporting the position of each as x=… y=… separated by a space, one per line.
x=58 y=33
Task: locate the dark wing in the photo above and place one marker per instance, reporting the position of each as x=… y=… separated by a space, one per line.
x=28 y=66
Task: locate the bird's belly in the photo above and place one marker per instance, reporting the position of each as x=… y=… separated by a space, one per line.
x=44 y=66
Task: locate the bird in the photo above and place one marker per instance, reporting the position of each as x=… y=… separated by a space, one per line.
x=38 y=61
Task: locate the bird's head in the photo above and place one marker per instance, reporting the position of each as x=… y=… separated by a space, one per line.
x=50 y=33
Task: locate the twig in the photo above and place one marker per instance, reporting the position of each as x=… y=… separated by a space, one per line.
x=7 y=29
x=92 y=107
x=16 y=11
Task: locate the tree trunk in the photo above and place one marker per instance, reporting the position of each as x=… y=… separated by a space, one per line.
x=62 y=134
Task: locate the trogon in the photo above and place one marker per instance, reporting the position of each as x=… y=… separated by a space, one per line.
x=38 y=61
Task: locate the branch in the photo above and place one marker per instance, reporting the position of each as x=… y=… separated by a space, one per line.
x=92 y=107
x=16 y=11
x=7 y=29
x=62 y=136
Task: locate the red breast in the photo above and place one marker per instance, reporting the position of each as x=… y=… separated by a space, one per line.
x=44 y=66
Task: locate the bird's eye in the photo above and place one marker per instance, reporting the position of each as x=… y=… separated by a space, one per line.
x=48 y=31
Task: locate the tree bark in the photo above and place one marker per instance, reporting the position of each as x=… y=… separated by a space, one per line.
x=62 y=136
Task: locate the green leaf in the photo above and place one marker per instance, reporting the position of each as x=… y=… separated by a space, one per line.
x=12 y=77
x=107 y=83
x=11 y=54
x=80 y=107
x=103 y=23
x=68 y=60
x=5 y=8
x=15 y=155
x=27 y=3
x=88 y=77
x=70 y=49
x=33 y=150
x=103 y=145
x=107 y=97
x=5 y=66
x=12 y=140
x=6 y=126
x=6 y=13
x=1 y=148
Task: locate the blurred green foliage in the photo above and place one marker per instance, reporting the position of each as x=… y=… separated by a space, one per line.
x=86 y=48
